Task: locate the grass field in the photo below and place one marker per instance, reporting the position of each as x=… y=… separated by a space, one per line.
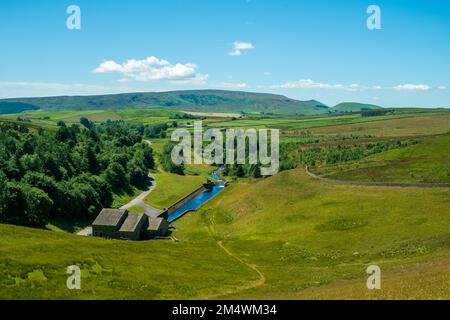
x=425 y=162
x=171 y=188
x=301 y=233
x=50 y=118
x=287 y=236
x=284 y=237
x=409 y=126
x=437 y=121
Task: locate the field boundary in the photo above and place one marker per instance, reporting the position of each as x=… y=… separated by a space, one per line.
x=378 y=184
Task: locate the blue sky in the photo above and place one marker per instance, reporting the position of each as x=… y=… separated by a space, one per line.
x=319 y=50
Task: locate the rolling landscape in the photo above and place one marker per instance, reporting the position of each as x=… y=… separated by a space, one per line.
x=224 y=159
x=289 y=236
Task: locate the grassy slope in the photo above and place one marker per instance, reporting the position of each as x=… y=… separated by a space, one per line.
x=408 y=126
x=192 y=100
x=298 y=232
x=302 y=233
x=33 y=266
x=428 y=161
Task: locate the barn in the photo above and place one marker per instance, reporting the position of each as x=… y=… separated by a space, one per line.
x=157 y=227
x=108 y=223
x=119 y=224
x=133 y=226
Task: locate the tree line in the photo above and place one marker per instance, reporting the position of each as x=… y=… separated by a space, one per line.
x=69 y=173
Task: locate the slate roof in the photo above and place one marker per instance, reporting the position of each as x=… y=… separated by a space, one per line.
x=131 y=222
x=109 y=217
x=154 y=223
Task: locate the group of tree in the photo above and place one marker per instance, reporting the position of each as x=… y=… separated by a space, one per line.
x=375 y=112
x=293 y=156
x=167 y=162
x=70 y=173
x=156 y=130
x=242 y=170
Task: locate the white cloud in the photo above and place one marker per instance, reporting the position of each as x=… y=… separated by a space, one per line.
x=310 y=84
x=151 y=69
x=239 y=47
x=412 y=87
x=232 y=85
x=442 y=88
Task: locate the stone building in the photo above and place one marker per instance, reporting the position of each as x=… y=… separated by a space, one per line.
x=157 y=227
x=108 y=223
x=133 y=227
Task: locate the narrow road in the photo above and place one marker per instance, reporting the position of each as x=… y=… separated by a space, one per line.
x=139 y=202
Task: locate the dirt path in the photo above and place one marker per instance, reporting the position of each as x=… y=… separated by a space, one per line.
x=257 y=283
x=378 y=184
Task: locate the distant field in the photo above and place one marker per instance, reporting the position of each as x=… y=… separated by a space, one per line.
x=214 y=114
x=50 y=118
x=410 y=126
x=287 y=236
x=348 y=124
x=426 y=162
x=404 y=122
x=284 y=237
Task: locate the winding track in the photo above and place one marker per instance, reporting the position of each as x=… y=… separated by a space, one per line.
x=139 y=202
x=378 y=184
x=254 y=284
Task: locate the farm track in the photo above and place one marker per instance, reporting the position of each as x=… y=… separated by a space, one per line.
x=254 y=284
x=378 y=184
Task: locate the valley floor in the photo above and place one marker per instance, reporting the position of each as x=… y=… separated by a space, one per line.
x=285 y=237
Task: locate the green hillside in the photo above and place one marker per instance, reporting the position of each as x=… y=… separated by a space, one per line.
x=274 y=238
x=424 y=162
x=354 y=107
x=194 y=100
x=15 y=107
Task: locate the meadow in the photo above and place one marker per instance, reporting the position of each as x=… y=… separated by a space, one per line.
x=275 y=238
x=171 y=188
x=425 y=162
x=288 y=236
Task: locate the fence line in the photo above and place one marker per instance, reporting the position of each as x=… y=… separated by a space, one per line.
x=378 y=184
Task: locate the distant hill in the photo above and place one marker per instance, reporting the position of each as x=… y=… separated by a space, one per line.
x=15 y=107
x=193 y=100
x=354 y=107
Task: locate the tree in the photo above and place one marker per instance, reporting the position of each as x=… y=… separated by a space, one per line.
x=86 y=123
x=25 y=205
x=3 y=181
x=240 y=171
x=63 y=133
x=41 y=181
x=116 y=177
x=167 y=163
x=94 y=166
